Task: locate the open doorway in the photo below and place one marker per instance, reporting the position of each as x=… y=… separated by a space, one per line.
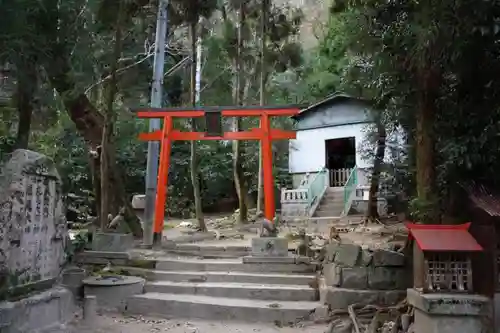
x=340 y=159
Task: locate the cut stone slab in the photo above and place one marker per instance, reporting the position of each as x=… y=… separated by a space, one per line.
x=112 y=291
x=230 y=277
x=228 y=265
x=219 y=308
x=267 y=260
x=450 y=313
x=332 y=274
x=354 y=277
x=112 y=242
x=341 y=298
x=139 y=201
x=37 y=312
x=102 y=258
x=254 y=291
x=269 y=247
x=347 y=255
x=387 y=258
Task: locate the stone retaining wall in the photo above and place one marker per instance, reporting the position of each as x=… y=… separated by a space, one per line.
x=348 y=267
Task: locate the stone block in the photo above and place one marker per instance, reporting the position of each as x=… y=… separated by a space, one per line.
x=37 y=313
x=354 y=277
x=388 y=258
x=139 y=201
x=332 y=274
x=382 y=278
x=112 y=242
x=341 y=298
x=269 y=247
x=268 y=260
x=331 y=251
x=365 y=259
x=450 y=313
x=347 y=255
x=322 y=313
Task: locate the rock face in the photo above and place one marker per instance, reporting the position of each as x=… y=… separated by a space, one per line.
x=349 y=269
x=33 y=230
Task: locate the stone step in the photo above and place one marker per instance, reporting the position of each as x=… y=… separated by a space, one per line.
x=331 y=206
x=229 y=277
x=209 y=254
x=229 y=265
x=325 y=213
x=274 y=292
x=219 y=308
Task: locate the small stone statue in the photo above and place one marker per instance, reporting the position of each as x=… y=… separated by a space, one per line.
x=117 y=223
x=268 y=228
x=303 y=249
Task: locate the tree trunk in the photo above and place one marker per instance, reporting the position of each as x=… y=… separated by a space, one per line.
x=239 y=181
x=372 y=212
x=195 y=181
x=426 y=109
x=263 y=76
x=89 y=123
x=107 y=149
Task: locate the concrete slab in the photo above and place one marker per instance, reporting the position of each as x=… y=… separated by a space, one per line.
x=219 y=308
x=38 y=312
x=239 y=277
x=269 y=247
x=341 y=298
x=112 y=242
x=253 y=291
x=268 y=260
x=228 y=266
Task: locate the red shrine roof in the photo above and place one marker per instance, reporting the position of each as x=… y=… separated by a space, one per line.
x=431 y=237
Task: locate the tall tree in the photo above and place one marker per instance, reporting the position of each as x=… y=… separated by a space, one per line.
x=107 y=148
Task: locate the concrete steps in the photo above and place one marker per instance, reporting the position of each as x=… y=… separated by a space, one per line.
x=332 y=203
x=227 y=289
x=219 y=308
x=224 y=277
x=228 y=265
x=235 y=290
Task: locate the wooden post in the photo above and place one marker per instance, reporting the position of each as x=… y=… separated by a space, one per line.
x=161 y=195
x=267 y=167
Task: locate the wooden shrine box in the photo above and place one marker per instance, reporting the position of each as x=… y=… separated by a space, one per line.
x=442 y=256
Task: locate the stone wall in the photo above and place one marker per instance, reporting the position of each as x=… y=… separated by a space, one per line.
x=347 y=268
x=33 y=230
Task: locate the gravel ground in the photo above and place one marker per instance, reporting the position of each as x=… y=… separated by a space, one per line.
x=117 y=323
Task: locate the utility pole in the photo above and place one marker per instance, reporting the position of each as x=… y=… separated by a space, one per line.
x=155 y=124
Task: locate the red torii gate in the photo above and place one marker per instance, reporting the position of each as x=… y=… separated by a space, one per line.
x=212 y=115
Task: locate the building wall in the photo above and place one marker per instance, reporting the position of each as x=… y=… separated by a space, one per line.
x=307 y=151
x=335 y=113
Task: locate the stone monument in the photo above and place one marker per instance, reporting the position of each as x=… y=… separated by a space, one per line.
x=33 y=238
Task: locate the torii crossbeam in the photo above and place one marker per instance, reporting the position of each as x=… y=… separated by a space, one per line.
x=265 y=134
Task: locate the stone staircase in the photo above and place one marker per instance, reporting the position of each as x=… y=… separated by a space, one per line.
x=332 y=203
x=243 y=289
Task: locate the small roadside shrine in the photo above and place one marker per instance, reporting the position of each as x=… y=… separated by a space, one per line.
x=443 y=294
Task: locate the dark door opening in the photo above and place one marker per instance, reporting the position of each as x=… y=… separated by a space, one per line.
x=340 y=159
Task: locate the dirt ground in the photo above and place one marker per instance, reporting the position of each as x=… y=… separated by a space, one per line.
x=117 y=323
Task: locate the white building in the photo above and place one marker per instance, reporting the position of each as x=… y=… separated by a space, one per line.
x=326 y=159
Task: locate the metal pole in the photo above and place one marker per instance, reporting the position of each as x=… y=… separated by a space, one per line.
x=155 y=124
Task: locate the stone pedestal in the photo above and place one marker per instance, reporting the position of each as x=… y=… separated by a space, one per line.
x=112 y=292
x=450 y=313
x=269 y=247
x=112 y=242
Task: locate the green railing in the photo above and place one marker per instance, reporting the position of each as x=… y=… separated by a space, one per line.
x=349 y=187
x=316 y=187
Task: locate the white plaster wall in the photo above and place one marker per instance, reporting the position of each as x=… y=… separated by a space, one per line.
x=307 y=151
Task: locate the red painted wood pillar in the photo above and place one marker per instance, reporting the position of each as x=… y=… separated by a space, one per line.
x=267 y=167
x=161 y=189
